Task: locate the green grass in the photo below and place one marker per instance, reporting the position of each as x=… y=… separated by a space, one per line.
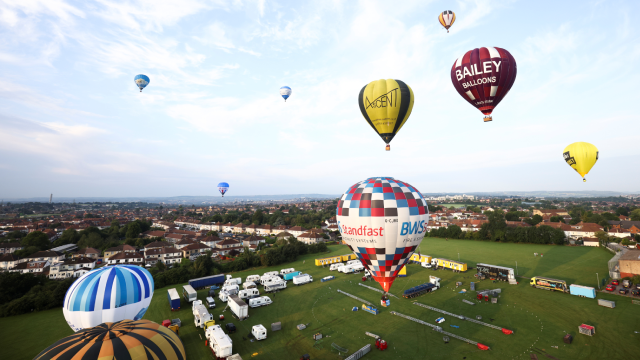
x=539 y=318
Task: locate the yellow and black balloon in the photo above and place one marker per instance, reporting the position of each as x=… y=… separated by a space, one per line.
x=386 y=105
x=447 y=18
x=581 y=156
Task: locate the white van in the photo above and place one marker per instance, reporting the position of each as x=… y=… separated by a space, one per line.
x=260 y=301
x=254 y=278
x=426 y=265
x=302 y=279
x=249 y=285
x=335 y=266
x=210 y=302
x=248 y=294
x=286 y=271
x=259 y=332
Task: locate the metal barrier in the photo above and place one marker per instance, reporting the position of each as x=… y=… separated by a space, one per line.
x=339 y=348
x=360 y=353
x=437 y=328
x=637 y=302
x=354 y=297
x=461 y=317
x=378 y=290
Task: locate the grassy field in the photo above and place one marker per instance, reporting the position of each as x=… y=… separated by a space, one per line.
x=539 y=318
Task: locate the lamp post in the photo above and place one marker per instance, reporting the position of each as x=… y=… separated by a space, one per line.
x=516 y=268
x=597 y=277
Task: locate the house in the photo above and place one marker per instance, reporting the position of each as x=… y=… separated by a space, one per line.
x=632 y=226
x=252 y=240
x=228 y=227
x=228 y=244
x=35 y=267
x=7 y=261
x=581 y=230
x=210 y=241
x=88 y=253
x=185 y=242
x=166 y=255
x=619 y=232
x=297 y=230
x=128 y=249
x=264 y=230
x=280 y=229
x=310 y=238
x=175 y=238
x=8 y=248
x=630 y=263
x=332 y=228
x=127 y=258
x=284 y=235
x=238 y=228
x=48 y=255
x=71 y=268
x=157 y=245
x=251 y=229
x=550 y=212
x=590 y=241
x=153 y=233
x=194 y=249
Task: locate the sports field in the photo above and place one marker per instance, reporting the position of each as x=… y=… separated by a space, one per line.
x=539 y=318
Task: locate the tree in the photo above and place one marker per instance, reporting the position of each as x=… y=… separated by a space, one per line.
x=603 y=237
x=635 y=215
x=37 y=239
x=133 y=230
x=622 y=211
x=212 y=233
x=556 y=219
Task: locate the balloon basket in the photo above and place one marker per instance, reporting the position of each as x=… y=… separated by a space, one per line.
x=388 y=148
x=488 y=118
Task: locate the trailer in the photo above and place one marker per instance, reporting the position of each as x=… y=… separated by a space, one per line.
x=432 y=285
x=327 y=278
x=259 y=332
x=348 y=257
x=302 y=279
x=335 y=266
x=174 y=299
x=267 y=277
x=607 y=303
x=370 y=309
x=189 y=293
x=419 y=259
x=201 y=283
x=249 y=285
x=238 y=307
x=219 y=342
x=200 y=314
x=287 y=271
x=232 y=281
x=248 y=294
x=291 y=275
x=449 y=264
x=260 y=301
x=549 y=284
x=497 y=272
x=584 y=291
x=254 y=278
x=275 y=286
x=328 y=260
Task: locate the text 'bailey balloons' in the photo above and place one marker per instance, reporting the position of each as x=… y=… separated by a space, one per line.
x=581 y=156
x=108 y=294
x=223 y=187
x=383 y=221
x=126 y=339
x=447 y=18
x=483 y=77
x=285 y=91
x=142 y=81
x=386 y=105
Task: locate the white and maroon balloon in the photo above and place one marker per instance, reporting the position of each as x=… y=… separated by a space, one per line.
x=383 y=221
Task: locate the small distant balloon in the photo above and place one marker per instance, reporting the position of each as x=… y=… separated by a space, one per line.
x=447 y=18
x=141 y=81
x=223 y=187
x=285 y=91
x=581 y=156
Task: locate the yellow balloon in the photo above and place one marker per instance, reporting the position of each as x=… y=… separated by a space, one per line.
x=386 y=105
x=581 y=156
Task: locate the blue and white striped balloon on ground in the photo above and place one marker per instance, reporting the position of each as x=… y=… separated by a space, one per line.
x=285 y=91
x=108 y=294
x=142 y=81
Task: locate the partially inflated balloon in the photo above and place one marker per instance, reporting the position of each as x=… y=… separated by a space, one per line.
x=285 y=91
x=383 y=221
x=108 y=294
x=581 y=156
x=223 y=187
x=447 y=18
x=484 y=76
x=386 y=105
x=141 y=81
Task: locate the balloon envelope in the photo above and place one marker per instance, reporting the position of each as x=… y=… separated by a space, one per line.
x=223 y=187
x=581 y=156
x=386 y=105
x=447 y=18
x=142 y=81
x=383 y=221
x=108 y=294
x=126 y=339
x=285 y=91
x=484 y=76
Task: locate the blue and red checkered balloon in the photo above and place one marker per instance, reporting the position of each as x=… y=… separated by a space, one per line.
x=383 y=221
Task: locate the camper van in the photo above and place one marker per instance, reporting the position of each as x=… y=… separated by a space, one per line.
x=260 y=301
x=230 y=289
x=335 y=266
x=254 y=278
x=266 y=277
x=259 y=332
x=271 y=280
x=220 y=343
x=271 y=273
x=249 y=285
x=357 y=267
x=248 y=294
x=347 y=269
x=353 y=262
x=232 y=281
x=286 y=271
x=200 y=313
x=189 y=293
x=275 y=286
x=302 y=279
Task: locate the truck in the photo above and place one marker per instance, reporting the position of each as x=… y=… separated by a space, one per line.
x=188 y=293
x=249 y=285
x=335 y=266
x=174 y=299
x=254 y=278
x=291 y=275
x=219 y=342
x=260 y=301
x=432 y=285
x=201 y=283
x=497 y=272
x=549 y=284
x=200 y=313
x=287 y=271
x=259 y=332
x=275 y=286
x=584 y=291
x=248 y=294
x=302 y=279
x=238 y=307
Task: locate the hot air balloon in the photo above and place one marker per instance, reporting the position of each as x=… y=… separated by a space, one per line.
x=383 y=221
x=285 y=91
x=108 y=294
x=581 y=156
x=126 y=339
x=447 y=18
x=223 y=187
x=142 y=81
x=483 y=77
x=386 y=105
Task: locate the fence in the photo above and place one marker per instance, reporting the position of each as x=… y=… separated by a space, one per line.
x=355 y=297
x=360 y=353
x=339 y=348
x=637 y=302
x=378 y=290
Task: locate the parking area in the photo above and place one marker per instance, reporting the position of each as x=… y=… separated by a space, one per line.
x=616 y=290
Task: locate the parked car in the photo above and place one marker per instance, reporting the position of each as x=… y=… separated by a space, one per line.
x=230 y=328
x=615 y=282
x=623 y=291
x=635 y=292
x=610 y=288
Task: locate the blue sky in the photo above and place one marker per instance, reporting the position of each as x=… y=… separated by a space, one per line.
x=73 y=123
